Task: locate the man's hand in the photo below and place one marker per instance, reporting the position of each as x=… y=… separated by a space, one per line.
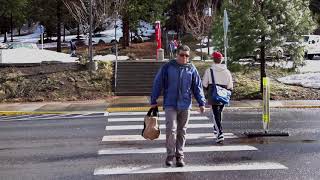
x=154 y=105
x=202 y=109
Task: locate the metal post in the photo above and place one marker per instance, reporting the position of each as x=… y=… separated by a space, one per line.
x=41 y=41
x=266 y=114
x=266 y=104
x=41 y=27
x=225 y=49
x=116 y=46
x=225 y=29
x=90 y=35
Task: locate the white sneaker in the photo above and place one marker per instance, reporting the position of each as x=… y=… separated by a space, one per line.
x=215 y=133
x=220 y=138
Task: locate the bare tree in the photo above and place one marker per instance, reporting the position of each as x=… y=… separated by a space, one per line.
x=196 y=22
x=102 y=11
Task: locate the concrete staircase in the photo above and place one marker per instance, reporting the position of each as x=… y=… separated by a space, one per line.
x=135 y=78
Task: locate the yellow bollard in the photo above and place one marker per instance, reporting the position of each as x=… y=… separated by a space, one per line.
x=266 y=104
x=266 y=114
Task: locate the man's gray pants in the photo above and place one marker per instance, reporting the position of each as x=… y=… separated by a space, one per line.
x=176 y=128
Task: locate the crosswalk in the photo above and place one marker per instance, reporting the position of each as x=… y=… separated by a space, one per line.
x=49 y=116
x=123 y=140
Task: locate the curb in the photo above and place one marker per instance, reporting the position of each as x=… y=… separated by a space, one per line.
x=297 y=106
x=13 y=113
x=138 y=109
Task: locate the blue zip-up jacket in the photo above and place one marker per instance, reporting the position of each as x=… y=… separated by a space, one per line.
x=177 y=82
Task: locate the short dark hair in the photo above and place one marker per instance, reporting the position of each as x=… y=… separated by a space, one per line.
x=217 y=60
x=183 y=48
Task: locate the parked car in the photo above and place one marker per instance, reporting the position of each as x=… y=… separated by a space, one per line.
x=274 y=52
x=3 y=45
x=311 y=45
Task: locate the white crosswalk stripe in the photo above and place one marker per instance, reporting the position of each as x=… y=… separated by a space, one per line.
x=116 y=138
x=159 y=168
x=138 y=113
x=162 y=126
x=140 y=119
x=128 y=144
x=133 y=150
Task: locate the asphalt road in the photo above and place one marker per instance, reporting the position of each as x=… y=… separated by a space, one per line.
x=71 y=147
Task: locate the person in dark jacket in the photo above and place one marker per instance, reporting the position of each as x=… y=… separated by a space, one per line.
x=73 y=48
x=178 y=80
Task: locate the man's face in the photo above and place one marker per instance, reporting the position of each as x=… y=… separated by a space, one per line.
x=183 y=57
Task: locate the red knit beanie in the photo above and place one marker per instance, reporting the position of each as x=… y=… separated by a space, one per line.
x=217 y=55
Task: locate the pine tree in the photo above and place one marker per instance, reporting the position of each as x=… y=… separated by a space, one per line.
x=12 y=15
x=264 y=24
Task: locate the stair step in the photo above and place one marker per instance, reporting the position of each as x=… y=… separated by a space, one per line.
x=136 y=78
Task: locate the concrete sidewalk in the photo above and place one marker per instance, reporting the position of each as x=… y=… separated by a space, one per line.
x=129 y=103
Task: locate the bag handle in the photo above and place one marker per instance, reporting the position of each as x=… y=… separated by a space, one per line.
x=154 y=111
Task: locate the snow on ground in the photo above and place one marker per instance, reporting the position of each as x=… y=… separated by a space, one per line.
x=309 y=77
x=197 y=58
x=25 y=55
x=311 y=65
x=205 y=50
x=311 y=80
x=109 y=57
x=35 y=56
x=146 y=30
x=204 y=44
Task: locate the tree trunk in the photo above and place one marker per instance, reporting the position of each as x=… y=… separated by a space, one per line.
x=262 y=62
x=262 y=56
x=201 y=50
x=5 y=37
x=11 y=26
x=208 y=43
x=59 y=18
x=125 y=31
x=78 y=32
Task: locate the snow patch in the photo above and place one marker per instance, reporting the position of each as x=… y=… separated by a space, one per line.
x=25 y=55
x=110 y=57
x=310 y=80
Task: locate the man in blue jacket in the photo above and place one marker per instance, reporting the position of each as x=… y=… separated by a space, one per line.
x=177 y=79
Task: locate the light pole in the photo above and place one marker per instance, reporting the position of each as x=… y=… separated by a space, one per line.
x=116 y=49
x=208 y=13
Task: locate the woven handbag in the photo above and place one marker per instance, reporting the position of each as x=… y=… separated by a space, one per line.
x=151 y=128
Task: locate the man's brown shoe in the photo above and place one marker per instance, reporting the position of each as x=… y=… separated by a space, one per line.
x=180 y=162
x=169 y=160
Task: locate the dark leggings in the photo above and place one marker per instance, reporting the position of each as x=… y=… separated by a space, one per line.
x=217 y=117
